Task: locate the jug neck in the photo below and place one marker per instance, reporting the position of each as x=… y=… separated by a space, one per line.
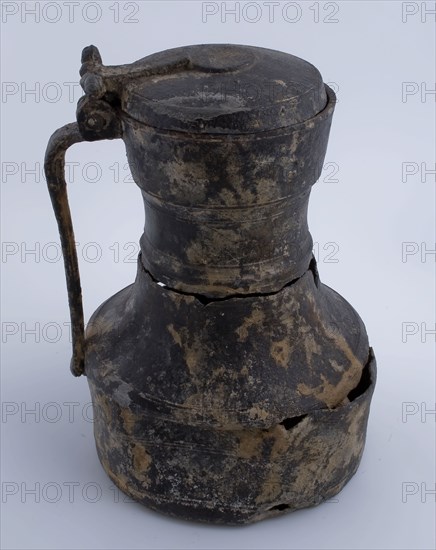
x=214 y=253
x=227 y=214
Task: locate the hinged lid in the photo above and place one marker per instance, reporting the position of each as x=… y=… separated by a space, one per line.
x=212 y=88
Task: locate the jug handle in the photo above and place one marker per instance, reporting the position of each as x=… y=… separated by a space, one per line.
x=54 y=167
x=98 y=117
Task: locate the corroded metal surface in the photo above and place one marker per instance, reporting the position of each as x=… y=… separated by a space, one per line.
x=229 y=384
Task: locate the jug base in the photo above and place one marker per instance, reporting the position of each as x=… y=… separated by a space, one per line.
x=248 y=475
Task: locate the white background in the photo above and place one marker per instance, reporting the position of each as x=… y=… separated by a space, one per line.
x=368 y=214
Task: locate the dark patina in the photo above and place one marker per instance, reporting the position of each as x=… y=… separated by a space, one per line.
x=229 y=384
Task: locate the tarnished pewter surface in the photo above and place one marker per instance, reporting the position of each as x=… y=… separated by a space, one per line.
x=233 y=410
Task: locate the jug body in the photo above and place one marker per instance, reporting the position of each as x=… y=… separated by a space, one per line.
x=231 y=410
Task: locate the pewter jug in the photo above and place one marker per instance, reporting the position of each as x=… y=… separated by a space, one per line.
x=229 y=383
